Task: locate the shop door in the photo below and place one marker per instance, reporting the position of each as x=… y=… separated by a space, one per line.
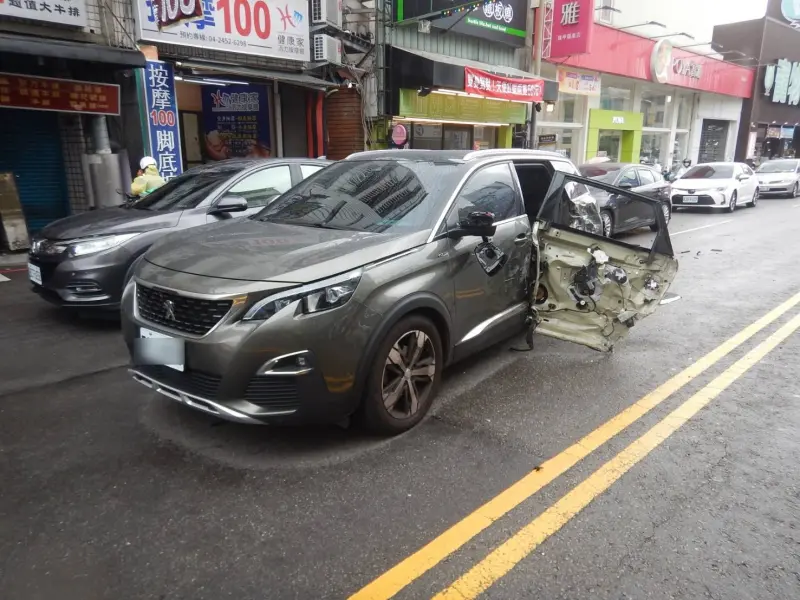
x=457 y=137
x=30 y=147
x=609 y=142
x=713 y=139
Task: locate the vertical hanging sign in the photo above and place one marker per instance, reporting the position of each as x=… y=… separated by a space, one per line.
x=162 y=118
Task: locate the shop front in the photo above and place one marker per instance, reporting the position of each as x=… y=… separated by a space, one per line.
x=445 y=103
x=642 y=100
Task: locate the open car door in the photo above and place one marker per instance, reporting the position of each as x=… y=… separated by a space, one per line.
x=591 y=289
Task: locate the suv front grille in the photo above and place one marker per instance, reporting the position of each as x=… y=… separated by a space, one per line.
x=196 y=316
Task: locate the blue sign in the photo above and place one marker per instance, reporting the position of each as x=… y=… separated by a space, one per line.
x=162 y=118
x=236 y=121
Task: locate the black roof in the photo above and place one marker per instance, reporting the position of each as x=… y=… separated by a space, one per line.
x=240 y=164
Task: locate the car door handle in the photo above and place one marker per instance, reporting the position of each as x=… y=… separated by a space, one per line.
x=522 y=238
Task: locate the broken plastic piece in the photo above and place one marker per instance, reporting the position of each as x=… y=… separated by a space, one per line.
x=599 y=256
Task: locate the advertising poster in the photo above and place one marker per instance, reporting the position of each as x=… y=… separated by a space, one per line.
x=236 y=121
x=262 y=27
x=582 y=84
x=162 y=118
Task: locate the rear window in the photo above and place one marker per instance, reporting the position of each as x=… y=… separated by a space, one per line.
x=606 y=174
x=709 y=172
x=380 y=196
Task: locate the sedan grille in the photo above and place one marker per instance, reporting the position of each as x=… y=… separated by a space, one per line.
x=196 y=316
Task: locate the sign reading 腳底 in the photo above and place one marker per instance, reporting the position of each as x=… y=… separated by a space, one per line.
x=60 y=95
x=272 y=28
x=162 y=118
x=63 y=12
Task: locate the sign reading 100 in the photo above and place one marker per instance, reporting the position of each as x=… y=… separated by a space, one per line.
x=241 y=14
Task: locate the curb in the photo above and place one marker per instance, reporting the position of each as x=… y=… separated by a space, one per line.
x=18 y=259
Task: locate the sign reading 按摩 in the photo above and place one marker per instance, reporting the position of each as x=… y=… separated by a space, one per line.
x=60 y=95
x=162 y=118
x=63 y=12
x=271 y=28
x=490 y=85
x=582 y=84
x=236 y=121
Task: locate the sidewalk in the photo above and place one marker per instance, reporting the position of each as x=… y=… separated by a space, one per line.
x=13 y=259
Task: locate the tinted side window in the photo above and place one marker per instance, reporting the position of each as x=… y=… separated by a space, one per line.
x=492 y=189
x=309 y=170
x=629 y=177
x=646 y=176
x=261 y=186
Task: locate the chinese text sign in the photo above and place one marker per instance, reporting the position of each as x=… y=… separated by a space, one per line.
x=60 y=95
x=162 y=118
x=572 y=82
x=236 y=121
x=274 y=28
x=63 y=12
x=573 y=21
x=490 y=85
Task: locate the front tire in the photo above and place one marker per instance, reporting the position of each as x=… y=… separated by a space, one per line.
x=608 y=223
x=732 y=205
x=665 y=208
x=754 y=201
x=795 y=190
x=404 y=377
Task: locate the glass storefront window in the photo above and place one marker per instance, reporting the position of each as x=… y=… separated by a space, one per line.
x=655 y=107
x=484 y=138
x=680 y=150
x=570 y=108
x=609 y=144
x=426 y=137
x=655 y=149
x=684 y=107
x=566 y=140
x=457 y=137
x=616 y=98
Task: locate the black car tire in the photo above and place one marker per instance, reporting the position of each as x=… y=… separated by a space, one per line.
x=667 y=216
x=732 y=205
x=608 y=223
x=375 y=415
x=754 y=201
x=795 y=190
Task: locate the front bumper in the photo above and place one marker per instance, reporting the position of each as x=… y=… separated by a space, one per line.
x=704 y=198
x=777 y=189
x=231 y=372
x=93 y=281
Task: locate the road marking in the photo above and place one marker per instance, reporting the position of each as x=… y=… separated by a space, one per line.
x=795 y=205
x=506 y=556
x=3 y=278
x=414 y=566
x=699 y=228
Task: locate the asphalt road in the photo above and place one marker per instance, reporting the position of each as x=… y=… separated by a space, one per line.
x=110 y=492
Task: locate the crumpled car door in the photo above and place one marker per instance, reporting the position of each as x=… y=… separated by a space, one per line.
x=589 y=289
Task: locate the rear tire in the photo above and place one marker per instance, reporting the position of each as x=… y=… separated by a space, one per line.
x=608 y=223
x=404 y=377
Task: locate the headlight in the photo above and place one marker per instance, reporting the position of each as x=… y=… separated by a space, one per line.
x=719 y=189
x=93 y=245
x=316 y=297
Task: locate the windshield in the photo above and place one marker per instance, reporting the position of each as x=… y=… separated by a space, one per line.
x=186 y=191
x=380 y=196
x=604 y=173
x=709 y=172
x=778 y=166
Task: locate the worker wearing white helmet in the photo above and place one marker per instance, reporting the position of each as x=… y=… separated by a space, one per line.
x=148 y=178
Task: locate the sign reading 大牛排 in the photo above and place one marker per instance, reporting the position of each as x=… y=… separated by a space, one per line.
x=273 y=28
x=782 y=82
x=63 y=12
x=490 y=85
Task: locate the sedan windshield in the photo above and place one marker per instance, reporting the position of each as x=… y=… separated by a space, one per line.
x=380 y=196
x=604 y=173
x=709 y=172
x=778 y=166
x=186 y=191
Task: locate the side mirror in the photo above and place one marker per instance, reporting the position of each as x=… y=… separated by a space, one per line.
x=742 y=177
x=625 y=185
x=229 y=204
x=477 y=223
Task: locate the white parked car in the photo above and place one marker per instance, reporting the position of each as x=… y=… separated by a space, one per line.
x=717 y=185
x=780 y=177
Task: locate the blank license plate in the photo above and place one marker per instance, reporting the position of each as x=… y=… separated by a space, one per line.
x=690 y=199
x=35 y=274
x=153 y=348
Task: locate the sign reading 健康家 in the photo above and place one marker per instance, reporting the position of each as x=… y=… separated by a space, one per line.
x=63 y=12
x=263 y=27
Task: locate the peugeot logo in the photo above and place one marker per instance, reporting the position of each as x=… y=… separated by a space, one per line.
x=169 y=310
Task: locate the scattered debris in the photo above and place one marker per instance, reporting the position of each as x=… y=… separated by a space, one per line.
x=669 y=298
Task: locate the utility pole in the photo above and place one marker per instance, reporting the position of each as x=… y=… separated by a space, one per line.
x=538 y=44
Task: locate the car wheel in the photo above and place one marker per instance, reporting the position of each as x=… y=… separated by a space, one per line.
x=754 y=201
x=732 y=205
x=608 y=223
x=667 y=216
x=404 y=377
x=796 y=189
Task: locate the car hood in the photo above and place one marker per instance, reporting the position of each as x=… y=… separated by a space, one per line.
x=250 y=250
x=108 y=221
x=700 y=184
x=774 y=177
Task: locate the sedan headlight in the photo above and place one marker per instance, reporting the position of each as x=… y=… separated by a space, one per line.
x=316 y=297
x=94 y=245
x=721 y=188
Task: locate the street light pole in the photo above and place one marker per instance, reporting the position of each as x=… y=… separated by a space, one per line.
x=538 y=45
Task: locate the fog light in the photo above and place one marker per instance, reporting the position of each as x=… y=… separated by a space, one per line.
x=296 y=363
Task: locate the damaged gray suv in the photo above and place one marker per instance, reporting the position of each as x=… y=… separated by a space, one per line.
x=351 y=293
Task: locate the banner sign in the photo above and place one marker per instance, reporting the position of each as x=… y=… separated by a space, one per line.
x=581 y=84
x=272 y=28
x=236 y=121
x=59 y=95
x=490 y=85
x=63 y=12
x=501 y=21
x=162 y=118
x=573 y=22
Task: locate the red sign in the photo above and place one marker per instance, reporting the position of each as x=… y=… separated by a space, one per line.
x=490 y=85
x=170 y=12
x=60 y=95
x=622 y=53
x=573 y=22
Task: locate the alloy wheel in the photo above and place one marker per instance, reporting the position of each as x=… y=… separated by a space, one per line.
x=408 y=374
x=755 y=198
x=732 y=206
x=667 y=212
x=796 y=190
x=608 y=223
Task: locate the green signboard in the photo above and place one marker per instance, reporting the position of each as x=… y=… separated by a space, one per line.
x=460 y=108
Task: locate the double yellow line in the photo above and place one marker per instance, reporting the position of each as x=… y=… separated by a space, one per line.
x=501 y=560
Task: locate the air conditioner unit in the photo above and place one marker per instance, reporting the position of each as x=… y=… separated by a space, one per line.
x=326 y=11
x=327 y=49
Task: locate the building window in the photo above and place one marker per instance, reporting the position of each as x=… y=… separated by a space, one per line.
x=655 y=148
x=616 y=98
x=684 y=108
x=484 y=138
x=426 y=137
x=566 y=140
x=603 y=11
x=655 y=107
